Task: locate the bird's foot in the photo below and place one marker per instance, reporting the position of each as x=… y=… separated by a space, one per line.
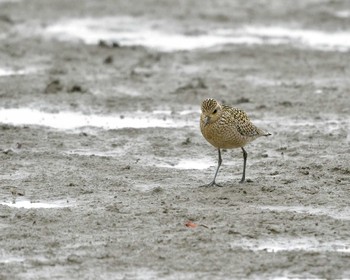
x=246 y=181
x=211 y=184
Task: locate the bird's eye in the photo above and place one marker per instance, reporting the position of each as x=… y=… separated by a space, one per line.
x=215 y=111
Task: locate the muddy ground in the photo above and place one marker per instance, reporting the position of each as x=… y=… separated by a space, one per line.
x=127 y=203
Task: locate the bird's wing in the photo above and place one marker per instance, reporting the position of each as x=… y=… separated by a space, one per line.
x=243 y=123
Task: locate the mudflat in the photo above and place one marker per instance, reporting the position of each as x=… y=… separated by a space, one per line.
x=102 y=157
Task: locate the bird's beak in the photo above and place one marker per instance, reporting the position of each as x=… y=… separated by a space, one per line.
x=206 y=120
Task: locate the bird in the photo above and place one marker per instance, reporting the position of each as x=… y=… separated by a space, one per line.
x=226 y=127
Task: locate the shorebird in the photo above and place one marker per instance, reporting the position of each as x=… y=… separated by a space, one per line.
x=226 y=127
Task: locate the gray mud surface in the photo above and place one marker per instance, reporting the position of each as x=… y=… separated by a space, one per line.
x=127 y=203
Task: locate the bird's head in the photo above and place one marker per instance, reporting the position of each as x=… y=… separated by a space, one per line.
x=211 y=111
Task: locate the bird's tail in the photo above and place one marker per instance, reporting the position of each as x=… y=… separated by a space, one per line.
x=264 y=133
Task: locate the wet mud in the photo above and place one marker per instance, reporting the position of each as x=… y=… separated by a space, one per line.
x=102 y=157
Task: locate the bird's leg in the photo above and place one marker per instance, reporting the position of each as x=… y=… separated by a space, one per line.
x=245 y=155
x=212 y=183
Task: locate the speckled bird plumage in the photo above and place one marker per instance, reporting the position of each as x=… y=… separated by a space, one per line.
x=226 y=127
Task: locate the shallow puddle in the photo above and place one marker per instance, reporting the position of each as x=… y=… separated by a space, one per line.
x=147 y=274
x=335 y=213
x=198 y=164
x=335 y=41
x=90 y=152
x=342 y=14
x=74 y=120
x=128 y=31
x=274 y=245
x=67 y=120
x=132 y=31
x=4 y=72
x=6 y=260
x=181 y=113
x=32 y=205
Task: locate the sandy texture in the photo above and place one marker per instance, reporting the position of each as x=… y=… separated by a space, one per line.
x=128 y=204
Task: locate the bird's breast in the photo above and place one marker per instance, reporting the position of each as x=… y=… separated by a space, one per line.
x=222 y=135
